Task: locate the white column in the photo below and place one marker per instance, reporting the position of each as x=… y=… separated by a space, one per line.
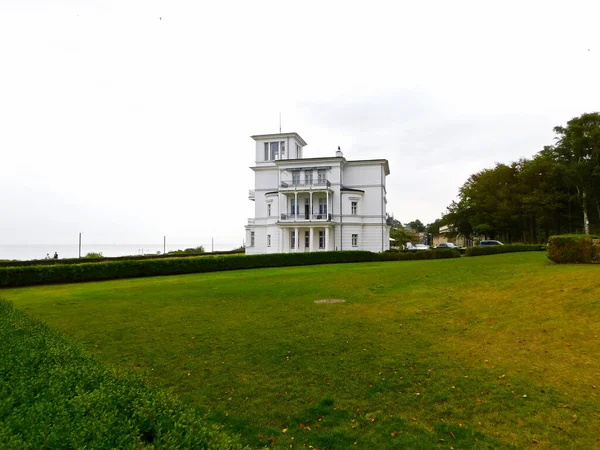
x=311 y=239
x=311 y=211
x=296 y=207
x=297 y=239
x=326 y=238
x=327 y=195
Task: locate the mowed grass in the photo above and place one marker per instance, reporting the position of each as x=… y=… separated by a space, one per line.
x=489 y=352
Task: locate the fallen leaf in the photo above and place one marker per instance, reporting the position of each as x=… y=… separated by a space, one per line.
x=284 y=430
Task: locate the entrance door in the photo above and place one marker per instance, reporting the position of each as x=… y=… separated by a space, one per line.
x=306 y=210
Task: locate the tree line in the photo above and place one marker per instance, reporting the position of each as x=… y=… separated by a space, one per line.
x=555 y=192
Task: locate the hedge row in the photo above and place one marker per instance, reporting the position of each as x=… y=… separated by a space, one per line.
x=55 y=395
x=73 y=273
x=511 y=248
x=52 y=262
x=574 y=248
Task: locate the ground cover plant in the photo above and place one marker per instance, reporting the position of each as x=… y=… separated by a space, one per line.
x=55 y=395
x=495 y=352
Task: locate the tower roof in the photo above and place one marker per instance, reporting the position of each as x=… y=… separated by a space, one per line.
x=261 y=137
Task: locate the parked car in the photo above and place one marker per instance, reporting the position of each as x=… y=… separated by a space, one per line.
x=448 y=245
x=487 y=243
x=416 y=247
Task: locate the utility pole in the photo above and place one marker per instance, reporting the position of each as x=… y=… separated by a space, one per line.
x=212 y=245
x=80 y=245
x=164 y=245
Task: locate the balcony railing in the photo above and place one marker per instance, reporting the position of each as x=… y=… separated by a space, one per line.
x=251 y=195
x=305 y=184
x=303 y=217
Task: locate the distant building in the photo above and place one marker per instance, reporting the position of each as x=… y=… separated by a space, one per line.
x=449 y=234
x=315 y=204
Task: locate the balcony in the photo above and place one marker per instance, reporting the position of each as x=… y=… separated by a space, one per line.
x=251 y=195
x=303 y=217
x=298 y=185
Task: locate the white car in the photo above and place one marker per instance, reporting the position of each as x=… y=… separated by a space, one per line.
x=448 y=245
x=416 y=247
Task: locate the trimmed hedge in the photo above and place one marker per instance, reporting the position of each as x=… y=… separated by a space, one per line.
x=574 y=248
x=53 y=262
x=55 y=395
x=74 y=273
x=511 y=248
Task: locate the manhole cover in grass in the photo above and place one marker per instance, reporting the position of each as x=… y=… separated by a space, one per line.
x=330 y=300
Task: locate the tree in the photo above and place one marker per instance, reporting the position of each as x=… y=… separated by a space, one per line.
x=401 y=237
x=417 y=225
x=434 y=227
x=578 y=149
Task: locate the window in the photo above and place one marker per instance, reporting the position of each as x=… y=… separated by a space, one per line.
x=274 y=151
x=298 y=151
x=266 y=151
x=293 y=204
x=321 y=239
x=355 y=240
x=269 y=210
x=353 y=207
x=296 y=178
x=293 y=239
x=306 y=239
x=282 y=146
x=321 y=176
x=308 y=176
x=322 y=205
x=252 y=239
x=268 y=240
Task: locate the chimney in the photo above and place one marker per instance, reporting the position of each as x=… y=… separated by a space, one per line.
x=339 y=153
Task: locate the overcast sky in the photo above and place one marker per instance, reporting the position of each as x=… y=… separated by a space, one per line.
x=130 y=120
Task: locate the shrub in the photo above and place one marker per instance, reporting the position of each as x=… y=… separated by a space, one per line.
x=191 y=251
x=73 y=273
x=574 y=248
x=511 y=248
x=55 y=395
x=93 y=255
x=89 y=259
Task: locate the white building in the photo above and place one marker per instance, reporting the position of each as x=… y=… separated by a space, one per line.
x=315 y=204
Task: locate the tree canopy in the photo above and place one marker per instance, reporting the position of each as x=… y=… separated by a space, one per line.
x=557 y=191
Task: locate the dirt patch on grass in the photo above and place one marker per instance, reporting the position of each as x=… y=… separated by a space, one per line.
x=330 y=300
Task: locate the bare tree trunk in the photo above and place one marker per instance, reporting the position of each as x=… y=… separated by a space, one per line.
x=586 y=222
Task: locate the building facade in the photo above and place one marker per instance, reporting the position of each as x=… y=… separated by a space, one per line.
x=315 y=204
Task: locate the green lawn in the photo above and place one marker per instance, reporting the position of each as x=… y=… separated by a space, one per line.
x=489 y=352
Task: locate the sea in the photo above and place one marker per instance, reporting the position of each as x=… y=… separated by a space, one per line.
x=40 y=251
